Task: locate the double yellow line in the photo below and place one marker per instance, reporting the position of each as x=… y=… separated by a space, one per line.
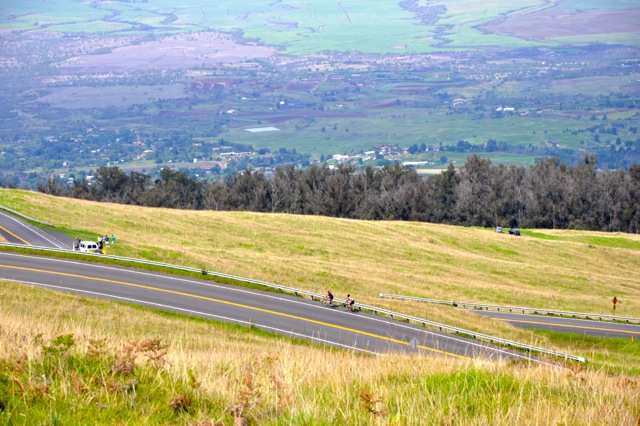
x=239 y=305
x=14 y=235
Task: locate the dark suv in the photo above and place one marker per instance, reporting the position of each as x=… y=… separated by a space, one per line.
x=514 y=231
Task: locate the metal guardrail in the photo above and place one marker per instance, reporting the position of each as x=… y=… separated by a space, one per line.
x=515 y=308
x=171 y=266
x=373 y=309
x=25 y=216
x=473 y=334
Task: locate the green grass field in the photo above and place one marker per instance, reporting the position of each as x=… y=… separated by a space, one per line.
x=406 y=126
x=66 y=359
x=566 y=270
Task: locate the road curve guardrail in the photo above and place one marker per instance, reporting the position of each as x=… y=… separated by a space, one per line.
x=315 y=296
x=25 y=216
x=501 y=308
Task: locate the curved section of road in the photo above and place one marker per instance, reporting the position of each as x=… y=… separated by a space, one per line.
x=17 y=231
x=287 y=315
x=283 y=314
x=566 y=325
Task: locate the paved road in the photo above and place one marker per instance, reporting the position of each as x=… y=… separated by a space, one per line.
x=287 y=315
x=566 y=325
x=17 y=231
x=283 y=314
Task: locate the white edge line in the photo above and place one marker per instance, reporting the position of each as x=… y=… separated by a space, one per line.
x=224 y=319
x=267 y=295
x=35 y=230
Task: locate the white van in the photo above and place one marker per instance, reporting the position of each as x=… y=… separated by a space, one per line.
x=89 y=247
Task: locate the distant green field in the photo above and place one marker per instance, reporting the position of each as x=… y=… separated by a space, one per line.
x=307 y=26
x=408 y=126
x=341 y=103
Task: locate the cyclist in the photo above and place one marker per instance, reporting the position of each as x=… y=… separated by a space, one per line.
x=328 y=298
x=349 y=302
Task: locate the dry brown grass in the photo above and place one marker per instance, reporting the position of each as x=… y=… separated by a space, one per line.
x=577 y=271
x=252 y=377
x=569 y=270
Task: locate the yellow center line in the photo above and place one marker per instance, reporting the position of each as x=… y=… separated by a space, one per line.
x=574 y=326
x=239 y=305
x=11 y=233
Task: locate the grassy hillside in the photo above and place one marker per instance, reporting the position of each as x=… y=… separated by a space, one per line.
x=71 y=360
x=59 y=351
x=577 y=271
x=570 y=270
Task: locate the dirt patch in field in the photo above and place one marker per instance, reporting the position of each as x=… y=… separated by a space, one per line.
x=633 y=88
x=556 y=22
x=167 y=113
x=423 y=87
x=381 y=105
x=180 y=51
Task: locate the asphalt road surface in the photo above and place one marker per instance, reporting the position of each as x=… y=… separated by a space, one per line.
x=18 y=231
x=566 y=325
x=283 y=314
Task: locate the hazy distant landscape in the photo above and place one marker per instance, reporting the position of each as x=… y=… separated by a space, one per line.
x=459 y=150
x=143 y=85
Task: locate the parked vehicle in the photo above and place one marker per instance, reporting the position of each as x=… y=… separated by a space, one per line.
x=89 y=247
x=499 y=229
x=514 y=231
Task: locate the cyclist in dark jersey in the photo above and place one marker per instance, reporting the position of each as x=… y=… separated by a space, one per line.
x=329 y=296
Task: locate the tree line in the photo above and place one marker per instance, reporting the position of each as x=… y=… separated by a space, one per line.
x=549 y=194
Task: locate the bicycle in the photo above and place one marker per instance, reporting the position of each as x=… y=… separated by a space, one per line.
x=349 y=303
x=328 y=301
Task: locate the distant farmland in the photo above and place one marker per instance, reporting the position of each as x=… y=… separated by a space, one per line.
x=439 y=80
x=303 y=27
